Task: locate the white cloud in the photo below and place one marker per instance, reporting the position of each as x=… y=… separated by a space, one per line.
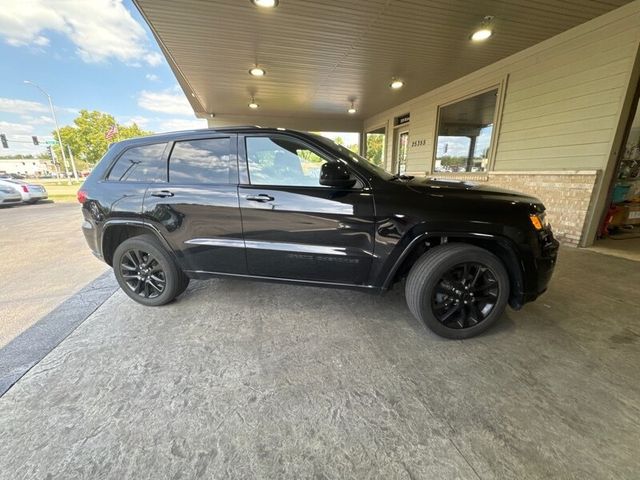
x=36 y=121
x=138 y=120
x=170 y=101
x=9 y=128
x=14 y=105
x=175 y=124
x=152 y=77
x=153 y=58
x=100 y=29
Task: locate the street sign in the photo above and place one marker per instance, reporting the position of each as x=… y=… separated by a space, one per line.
x=50 y=142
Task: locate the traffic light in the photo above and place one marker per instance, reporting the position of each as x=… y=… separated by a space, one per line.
x=35 y=140
x=3 y=139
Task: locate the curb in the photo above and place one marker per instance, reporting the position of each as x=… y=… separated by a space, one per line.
x=35 y=343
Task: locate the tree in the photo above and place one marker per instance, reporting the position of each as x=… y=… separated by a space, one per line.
x=340 y=141
x=375 y=148
x=87 y=140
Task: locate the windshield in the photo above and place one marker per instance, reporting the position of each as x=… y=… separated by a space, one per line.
x=354 y=157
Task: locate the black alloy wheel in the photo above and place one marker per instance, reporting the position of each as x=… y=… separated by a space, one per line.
x=147 y=272
x=458 y=290
x=142 y=273
x=465 y=295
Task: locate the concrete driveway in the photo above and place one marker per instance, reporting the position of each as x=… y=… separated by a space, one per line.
x=242 y=380
x=43 y=261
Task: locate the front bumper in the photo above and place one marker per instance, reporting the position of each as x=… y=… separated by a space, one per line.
x=544 y=263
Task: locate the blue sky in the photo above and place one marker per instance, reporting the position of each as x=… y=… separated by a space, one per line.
x=96 y=55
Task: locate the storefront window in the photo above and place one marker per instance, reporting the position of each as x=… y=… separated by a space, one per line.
x=464 y=134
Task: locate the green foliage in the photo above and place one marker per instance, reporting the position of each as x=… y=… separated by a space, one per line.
x=375 y=148
x=340 y=141
x=309 y=156
x=87 y=137
x=449 y=161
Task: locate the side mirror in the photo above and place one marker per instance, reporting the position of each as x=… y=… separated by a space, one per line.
x=334 y=174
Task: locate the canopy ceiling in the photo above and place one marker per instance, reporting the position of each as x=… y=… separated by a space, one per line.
x=321 y=55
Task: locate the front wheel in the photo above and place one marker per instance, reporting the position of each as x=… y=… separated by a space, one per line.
x=457 y=290
x=146 y=272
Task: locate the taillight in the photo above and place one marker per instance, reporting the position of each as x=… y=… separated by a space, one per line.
x=82 y=196
x=25 y=189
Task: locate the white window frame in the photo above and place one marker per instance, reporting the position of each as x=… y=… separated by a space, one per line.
x=495 y=134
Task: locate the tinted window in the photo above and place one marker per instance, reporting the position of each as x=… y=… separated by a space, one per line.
x=141 y=164
x=282 y=161
x=200 y=161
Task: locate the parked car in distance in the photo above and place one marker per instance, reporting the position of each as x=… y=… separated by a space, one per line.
x=9 y=196
x=288 y=206
x=30 y=192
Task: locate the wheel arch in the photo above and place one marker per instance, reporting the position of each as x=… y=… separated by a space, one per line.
x=501 y=247
x=115 y=232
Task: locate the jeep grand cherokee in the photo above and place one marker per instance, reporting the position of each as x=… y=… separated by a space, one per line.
x=288 y=206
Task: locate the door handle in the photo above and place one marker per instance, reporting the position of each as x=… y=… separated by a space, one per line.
x=162 y=193
x=259 y=198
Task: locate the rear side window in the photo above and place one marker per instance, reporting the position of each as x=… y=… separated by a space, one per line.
x=201 y=161
x=140 y=164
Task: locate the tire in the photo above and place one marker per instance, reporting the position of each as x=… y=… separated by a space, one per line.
x=161 y=281
x=455 y=301
x=184 y=284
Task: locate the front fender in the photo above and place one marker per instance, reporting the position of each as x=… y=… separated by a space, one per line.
x=419 y=240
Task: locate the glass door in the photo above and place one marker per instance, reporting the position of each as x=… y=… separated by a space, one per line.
x=402 y=151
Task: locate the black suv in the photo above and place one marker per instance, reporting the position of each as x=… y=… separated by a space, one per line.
x=282 y=205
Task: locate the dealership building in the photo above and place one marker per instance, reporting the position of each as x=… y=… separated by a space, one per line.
x=546 y=105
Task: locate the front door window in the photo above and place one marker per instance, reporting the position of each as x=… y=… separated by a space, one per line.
x=283 y=161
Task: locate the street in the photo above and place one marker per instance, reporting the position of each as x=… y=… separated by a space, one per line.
x=44 y=260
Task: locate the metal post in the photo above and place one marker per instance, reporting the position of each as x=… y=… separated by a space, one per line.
x=472 y=150
x=73 y=163
x=55 y=121
x=55 y=162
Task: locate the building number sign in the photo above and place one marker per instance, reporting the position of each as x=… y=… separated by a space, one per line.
x=418 y=143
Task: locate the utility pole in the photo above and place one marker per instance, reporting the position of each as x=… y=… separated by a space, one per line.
x=73 y=163
x=54 y=161
x=55 y=121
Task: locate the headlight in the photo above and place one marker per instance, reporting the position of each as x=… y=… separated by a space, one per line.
x=539 y=220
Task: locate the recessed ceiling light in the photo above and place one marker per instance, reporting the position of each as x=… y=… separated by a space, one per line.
x=484 y=31
x=481 y=35
x=257 y=72
x=352 y=109
x=253 y=104
x=396 y=84
x=265 y=3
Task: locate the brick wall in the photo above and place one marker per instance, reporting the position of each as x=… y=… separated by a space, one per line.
x=566 y=194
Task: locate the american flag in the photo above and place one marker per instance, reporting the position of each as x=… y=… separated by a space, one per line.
x=112 y=132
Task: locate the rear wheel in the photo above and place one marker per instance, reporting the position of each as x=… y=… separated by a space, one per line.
x=457 y=290
x=146 y=272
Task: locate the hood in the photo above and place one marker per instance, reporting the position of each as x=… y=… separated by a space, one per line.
x=470 y=190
